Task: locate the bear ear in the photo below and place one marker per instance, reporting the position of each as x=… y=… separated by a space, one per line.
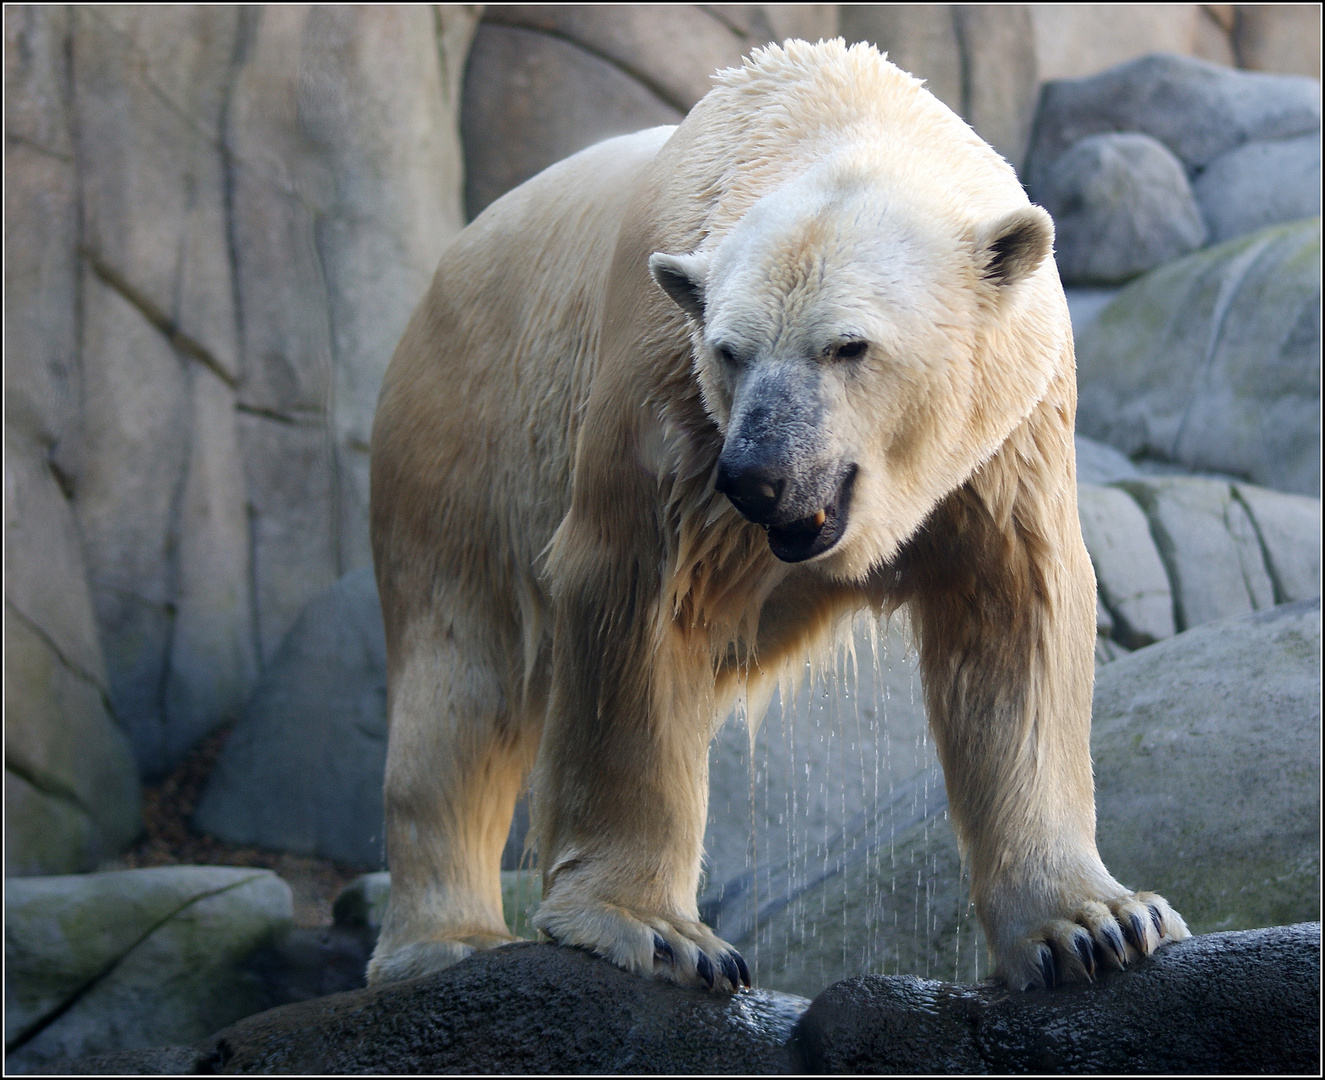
x=1012 y=247
x=682 y=278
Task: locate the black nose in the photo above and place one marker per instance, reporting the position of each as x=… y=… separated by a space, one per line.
x=755 y=491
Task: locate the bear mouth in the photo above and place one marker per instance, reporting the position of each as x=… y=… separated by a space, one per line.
x=807 y=537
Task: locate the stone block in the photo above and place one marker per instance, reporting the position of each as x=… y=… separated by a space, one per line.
x=1209 y=545
x=1289 y=531
x=1128 y=569
x=1207 y=769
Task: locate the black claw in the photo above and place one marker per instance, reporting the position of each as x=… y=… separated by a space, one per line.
x=1086 y=950
x=662 y=950
x=705 y=968
x=1157 y=920
x=1136 y=932
x=740 y=965
x=1115 y=941
x=729 y=969
x=1047 y=969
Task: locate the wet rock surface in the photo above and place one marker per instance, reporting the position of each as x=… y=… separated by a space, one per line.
x=525 y=1008
x=1223 y=1003
x=1230 y=1002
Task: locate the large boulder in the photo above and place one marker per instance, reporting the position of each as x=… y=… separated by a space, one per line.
x=1207 y=766
x=1212 y=361
x=1197 y=109
x=1225 y=1003
x=302 y=770
x=133 y=958
x=1121 y=205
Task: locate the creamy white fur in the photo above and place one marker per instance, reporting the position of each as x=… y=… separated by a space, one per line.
x=564 y=590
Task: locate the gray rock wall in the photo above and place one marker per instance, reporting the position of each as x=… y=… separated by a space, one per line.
x=545 y=81
x=978 y=59
x=218 y=221
x=71 y=789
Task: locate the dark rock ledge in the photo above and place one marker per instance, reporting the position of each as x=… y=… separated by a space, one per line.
x=1237 y=1002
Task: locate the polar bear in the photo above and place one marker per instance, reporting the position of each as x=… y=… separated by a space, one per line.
x=670 y=413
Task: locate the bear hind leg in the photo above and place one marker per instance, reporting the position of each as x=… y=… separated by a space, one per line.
x=457 y=760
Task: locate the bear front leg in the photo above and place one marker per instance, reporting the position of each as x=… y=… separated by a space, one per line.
x=1004 y=602
x=620 y=790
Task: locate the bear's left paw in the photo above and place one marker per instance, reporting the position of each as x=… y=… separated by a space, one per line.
x=677 y=950
x=1097 y=936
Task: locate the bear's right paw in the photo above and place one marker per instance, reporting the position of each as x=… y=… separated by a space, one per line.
x=1098 y=936
x=682 y=951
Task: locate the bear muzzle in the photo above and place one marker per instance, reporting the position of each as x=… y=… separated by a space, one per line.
x=762 y=496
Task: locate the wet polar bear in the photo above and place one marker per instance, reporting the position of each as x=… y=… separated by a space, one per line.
x=670 y=413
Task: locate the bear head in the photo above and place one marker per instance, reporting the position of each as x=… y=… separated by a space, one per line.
x=862 y=350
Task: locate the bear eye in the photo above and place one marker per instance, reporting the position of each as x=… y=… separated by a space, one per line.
x=850 y=350
x=725 y=354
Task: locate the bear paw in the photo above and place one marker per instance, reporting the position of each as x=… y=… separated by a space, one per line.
x=428 y=957
x=682 y=951
x=1097 y=936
